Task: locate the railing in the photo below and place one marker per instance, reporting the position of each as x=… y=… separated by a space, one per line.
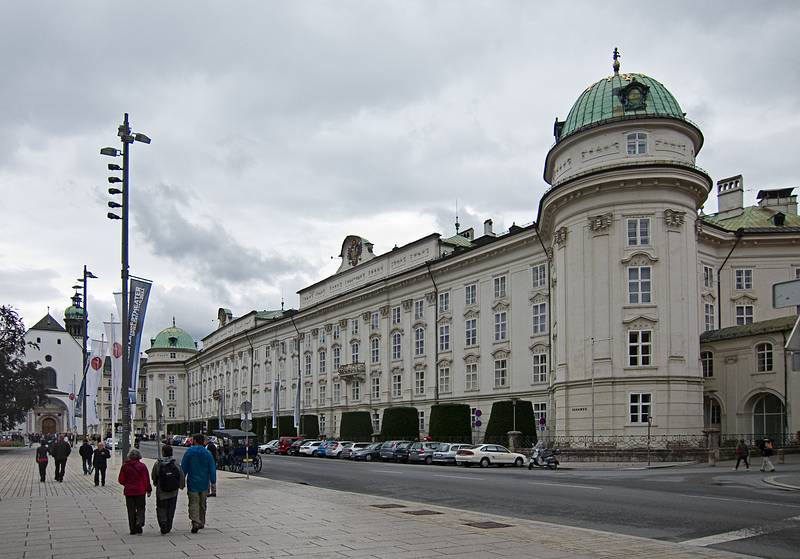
x=629 y=442
x=780 y=440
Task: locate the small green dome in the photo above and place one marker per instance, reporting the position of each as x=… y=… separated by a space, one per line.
x=173 y=338
x=619 y=97
x=73 y=312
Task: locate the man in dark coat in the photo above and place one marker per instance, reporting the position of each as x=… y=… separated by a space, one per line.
x=86 y=452
x=41 y=460
x=100 y=462
x=60 y=451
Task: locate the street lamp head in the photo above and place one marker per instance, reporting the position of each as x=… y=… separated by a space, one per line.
x=114 y=167
x=113 y=190
x=111 y=152
x=114 y=179
x=77 y=287
x=112 y=215
x=139 y=137
x=114 y=205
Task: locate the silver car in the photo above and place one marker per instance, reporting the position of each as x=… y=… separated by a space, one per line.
x=446 y=453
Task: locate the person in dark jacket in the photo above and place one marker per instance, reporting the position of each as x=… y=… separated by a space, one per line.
x=166 y=499
x=212 y=448
x=60 y=451
x=42 y=460
x=135 y=478
x=766 y=446
x=86 y=451
x=100 y=460
x=201 y=473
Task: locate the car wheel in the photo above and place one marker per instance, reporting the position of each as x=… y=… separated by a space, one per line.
x=518 y=462
x=368 y=458
x=485 y=462
x=314 y=453
x=428 y=460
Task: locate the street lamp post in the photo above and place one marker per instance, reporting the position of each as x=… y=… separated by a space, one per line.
x=127 y=137
x=86 y=275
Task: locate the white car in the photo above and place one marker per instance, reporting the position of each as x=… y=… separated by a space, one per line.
x=309 y=448
x=335 y=450
x=269 y=448
x=487 y=454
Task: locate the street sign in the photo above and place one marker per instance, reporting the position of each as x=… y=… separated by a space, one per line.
x=793 y=343
x=786 y=294
x=246 y=424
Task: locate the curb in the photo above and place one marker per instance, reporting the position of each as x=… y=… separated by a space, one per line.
x=771 y=480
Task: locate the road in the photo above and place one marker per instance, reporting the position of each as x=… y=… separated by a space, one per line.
x=731 y=510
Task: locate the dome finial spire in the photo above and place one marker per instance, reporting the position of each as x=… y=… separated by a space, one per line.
x=616 y=55
x=173 y=321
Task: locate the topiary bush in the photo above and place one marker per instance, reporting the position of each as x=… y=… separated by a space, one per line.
x=502 y=420
x=450 y=422
x=356 y=426
x=400 y=423
x=309 y=426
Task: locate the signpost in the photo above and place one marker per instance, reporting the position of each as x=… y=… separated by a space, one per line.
x=245 y=412
x=786 y=294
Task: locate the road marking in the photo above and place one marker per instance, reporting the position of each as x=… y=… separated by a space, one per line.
x=565 y=485
x=388 y=472
x=772 y=503
x=459 y=477
x=724 y=537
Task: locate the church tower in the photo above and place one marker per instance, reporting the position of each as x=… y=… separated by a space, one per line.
x=74 y=317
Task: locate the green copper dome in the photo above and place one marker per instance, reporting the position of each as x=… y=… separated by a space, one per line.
x=619 y=97
x=173 y=338
x=73 y=312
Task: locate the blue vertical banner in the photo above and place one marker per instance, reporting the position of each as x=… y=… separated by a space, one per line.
x=139 y=293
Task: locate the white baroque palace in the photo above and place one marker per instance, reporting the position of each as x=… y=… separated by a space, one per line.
x=623 y=307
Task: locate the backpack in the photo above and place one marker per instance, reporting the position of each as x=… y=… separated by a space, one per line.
x=769 y=445
x=169 y=477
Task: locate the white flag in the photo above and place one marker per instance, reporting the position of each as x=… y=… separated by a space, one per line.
x=114 y=337
x=94 y=375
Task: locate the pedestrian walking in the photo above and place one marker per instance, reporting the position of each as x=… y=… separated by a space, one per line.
x=135 y=478
x=42 y=460
x=766 y=446
x=212 y=448
x=60 y=451
x=742 y=454
x=198 y=465
x=168 y=478
x=86 y=451
x=100 y=458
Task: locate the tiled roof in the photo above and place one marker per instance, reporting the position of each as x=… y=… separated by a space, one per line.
x=753 y=217
x=48 y=323
x=458 y=240
x=763 y=327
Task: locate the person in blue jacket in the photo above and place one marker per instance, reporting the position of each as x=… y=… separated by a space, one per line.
x=201 y=473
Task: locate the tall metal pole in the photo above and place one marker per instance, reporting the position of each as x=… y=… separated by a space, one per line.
x=85 y=341
x=125 y=135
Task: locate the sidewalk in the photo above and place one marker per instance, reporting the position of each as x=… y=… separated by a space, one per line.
x=264 y=518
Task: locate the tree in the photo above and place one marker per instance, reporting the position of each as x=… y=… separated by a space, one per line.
x=22 y=384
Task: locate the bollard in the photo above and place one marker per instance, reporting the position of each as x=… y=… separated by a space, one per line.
x=780 y=456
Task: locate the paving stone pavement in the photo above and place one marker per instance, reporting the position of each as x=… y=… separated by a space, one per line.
x=266 y=518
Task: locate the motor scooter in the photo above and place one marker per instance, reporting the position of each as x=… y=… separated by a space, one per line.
x=544 y=458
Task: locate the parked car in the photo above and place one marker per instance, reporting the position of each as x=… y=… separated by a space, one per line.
x=187 y=442
x=309 y=448
x=116 y=443
x=446 y=453
x=422 y=452
x=334 y=449
x=395 y=451
x=285 y=444
x=487 y=454
x=270 y=447
x=322 y=449
x=348 y=451
x=368 y=453
x=177 y=440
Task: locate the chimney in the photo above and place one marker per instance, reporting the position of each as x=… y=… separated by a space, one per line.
x=487 y=228
x=780 y=200
x=730 y=196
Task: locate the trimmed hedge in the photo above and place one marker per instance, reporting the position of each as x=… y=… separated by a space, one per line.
x=400 y=423
x=450 y=422
x=356 y=426
x=501 y=421
x=309 y=426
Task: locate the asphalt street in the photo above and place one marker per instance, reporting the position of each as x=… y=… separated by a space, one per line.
x=716 y=507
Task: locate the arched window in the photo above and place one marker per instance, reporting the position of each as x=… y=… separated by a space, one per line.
x=49 y=377
x=707 y=363
x=637 y=143
x=767 y=415
x=764 y=358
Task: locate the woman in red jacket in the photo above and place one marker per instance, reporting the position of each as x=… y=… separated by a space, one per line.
x=135 y=478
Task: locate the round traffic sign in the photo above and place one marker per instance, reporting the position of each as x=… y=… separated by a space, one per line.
x=117 y=350
x=478 y=423
x=97 y=363
x=247 y=425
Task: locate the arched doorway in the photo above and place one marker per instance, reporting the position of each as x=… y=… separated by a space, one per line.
x=767 y=415
x=49 y=426
x=712 y=413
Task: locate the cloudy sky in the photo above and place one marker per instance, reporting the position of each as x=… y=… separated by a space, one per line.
x=280 y=127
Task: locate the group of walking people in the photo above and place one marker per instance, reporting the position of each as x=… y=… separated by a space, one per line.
x=93 y=459
x=196 y=472
x=766 y=446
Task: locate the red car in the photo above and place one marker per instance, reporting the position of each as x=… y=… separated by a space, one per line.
x=285 y=443
x=187 y=442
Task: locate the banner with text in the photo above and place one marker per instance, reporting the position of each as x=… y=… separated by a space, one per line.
x=139 y=293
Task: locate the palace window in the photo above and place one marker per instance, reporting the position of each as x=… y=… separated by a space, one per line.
x=500 y=373
x=397 y=385
x=444 y=379
x=640 y=348
x=470 y=294
x=321 y=336
x=354 y=347
x=337 y=358
x=419 y=382
x=637 y=143
x=744 y=279
x=499 y=287
x=170 y=380
x=354 y=327
x=500 y=326
x=421 y=420
x=173 y=355
x=444 y=337
x=307 y=396
x=323 y=394
x=638 y=231
x=744 y=314
x=171 y=413
x=540 y=412
x=639 y=407
x=356 y=390
x=444 y=301
x=396 y=346
x=419 y=341
x=539 y=368
x=539 y=318
x=708 y=316
x=376 y=388
x=707 y=363
x=764 y=358
x=308 y=363
x=336 y=332
x=471 y=331
x=395 y=315
x=375 y=321
x=322 y=421
x=639 y=284
x=375 y=350
x=708 y=277
x=419 y=309
x=322 y=359
x=539 y=275
x=337 y=392
x=471 y=376
x=171 y=394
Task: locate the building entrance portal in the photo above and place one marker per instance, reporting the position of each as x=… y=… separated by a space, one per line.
x=48 y=426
